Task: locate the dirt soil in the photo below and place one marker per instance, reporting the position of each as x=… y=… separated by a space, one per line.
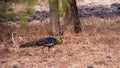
x=97 y=46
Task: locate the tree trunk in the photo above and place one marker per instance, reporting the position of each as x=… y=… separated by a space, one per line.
x=71 y=14
x=54 y=16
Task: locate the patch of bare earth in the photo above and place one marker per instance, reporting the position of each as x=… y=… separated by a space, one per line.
x=98 y=46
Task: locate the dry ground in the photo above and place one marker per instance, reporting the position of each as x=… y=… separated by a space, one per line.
x=98 y=46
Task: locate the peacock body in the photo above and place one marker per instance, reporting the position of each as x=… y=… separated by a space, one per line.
x=46 y=42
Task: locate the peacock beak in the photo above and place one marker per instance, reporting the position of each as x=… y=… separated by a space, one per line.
x=62 y=37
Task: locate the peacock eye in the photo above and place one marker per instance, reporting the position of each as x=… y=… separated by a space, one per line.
x=62 y=37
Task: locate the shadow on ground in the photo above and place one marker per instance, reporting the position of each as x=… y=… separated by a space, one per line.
x=99 y=10
x=83 y=11
x=87 y=11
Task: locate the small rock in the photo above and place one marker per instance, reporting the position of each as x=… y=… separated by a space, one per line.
x=15 y=19
x=29 y=19
x=3 y=62
x=37 y=12
x=90 y=67
x=118 y=8
x=44 y=60
x=29 y=54
x=40 y=61
x=2 y=20
x=15 y=66
x=109 y=57
x=34 y=16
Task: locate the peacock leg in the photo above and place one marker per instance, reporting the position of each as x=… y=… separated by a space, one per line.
x=49 y=51
x=49 y=48
x=43 y=50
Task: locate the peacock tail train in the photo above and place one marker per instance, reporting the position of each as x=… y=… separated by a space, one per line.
x=48 y=41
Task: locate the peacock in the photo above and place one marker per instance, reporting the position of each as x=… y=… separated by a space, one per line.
x=45 y=42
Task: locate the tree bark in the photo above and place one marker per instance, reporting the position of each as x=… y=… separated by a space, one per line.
x=54 y=16
x=71 y=14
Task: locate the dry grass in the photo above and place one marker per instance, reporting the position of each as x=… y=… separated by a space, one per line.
x=97 y=46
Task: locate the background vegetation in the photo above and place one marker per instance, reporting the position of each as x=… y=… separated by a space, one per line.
x=7 y=12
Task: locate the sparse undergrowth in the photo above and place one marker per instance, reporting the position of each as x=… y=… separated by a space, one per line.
x=97 y=46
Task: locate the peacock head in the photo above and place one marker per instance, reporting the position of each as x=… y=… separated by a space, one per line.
x=60 y=37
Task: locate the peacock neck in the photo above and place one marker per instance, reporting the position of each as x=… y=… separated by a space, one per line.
x=59 y=40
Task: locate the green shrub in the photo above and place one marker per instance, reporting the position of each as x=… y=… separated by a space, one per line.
x=30 y=11
x=7 y=12
x=22 y=20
